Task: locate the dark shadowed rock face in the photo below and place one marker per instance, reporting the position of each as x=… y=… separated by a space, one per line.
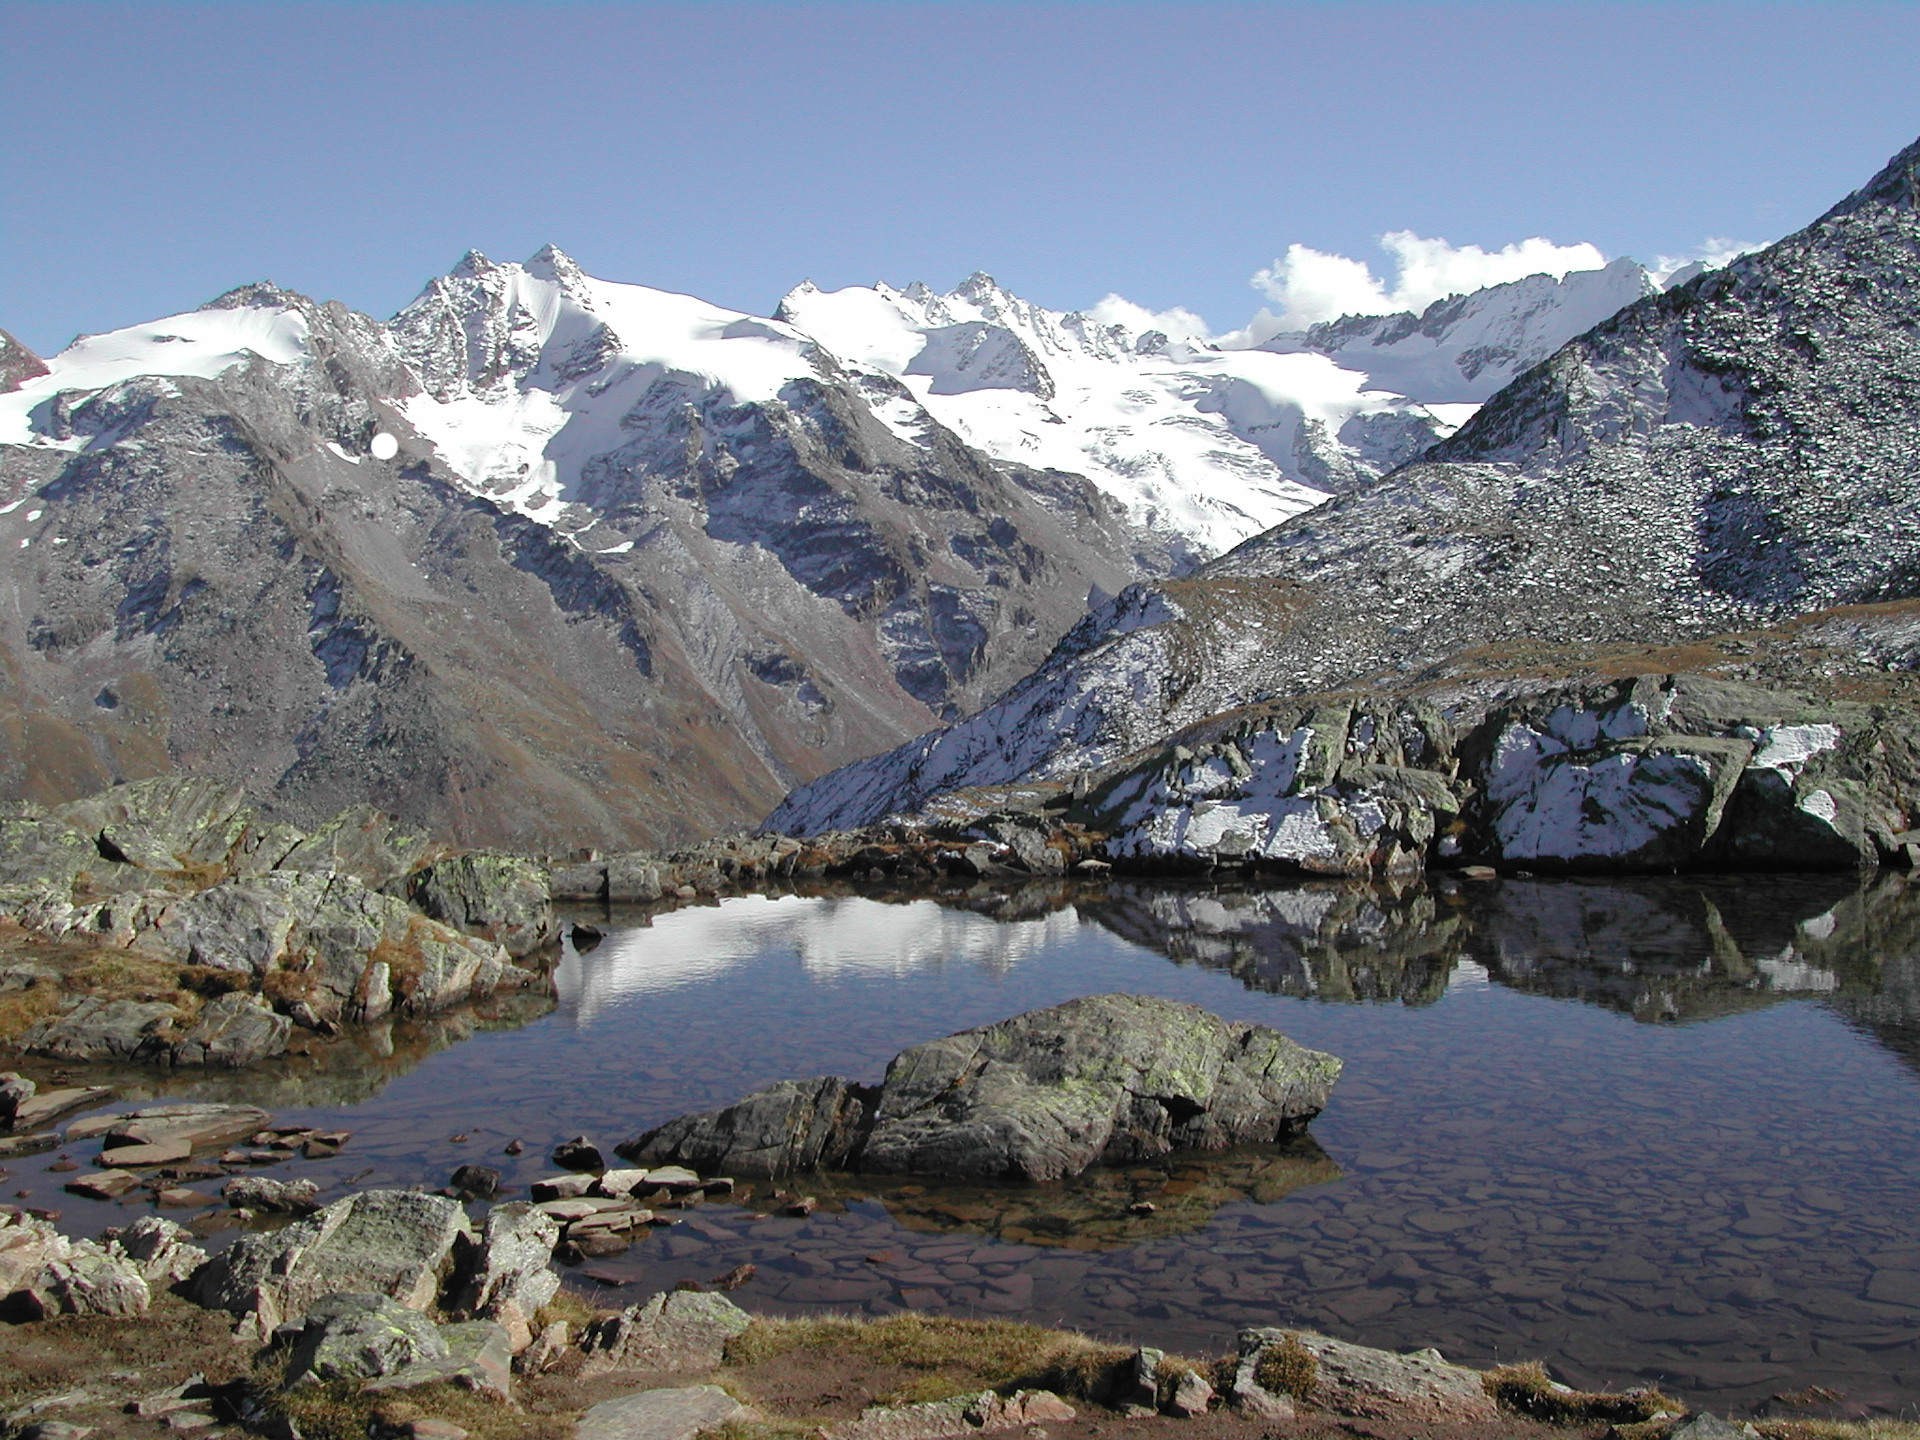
x=1104 y=1079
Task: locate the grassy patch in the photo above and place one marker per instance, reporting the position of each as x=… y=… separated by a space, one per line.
x=943 y=1357
x=1287 y=1367
x=1529 y=1390
x=1838 y=1429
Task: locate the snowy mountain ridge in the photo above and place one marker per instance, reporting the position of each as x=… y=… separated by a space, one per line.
x=1722 y=455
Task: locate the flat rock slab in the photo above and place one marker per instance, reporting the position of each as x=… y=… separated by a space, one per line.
x=677 y=1414
x=167 y=1152
x=38 y=1109
x=197 y=1125
x=103 y=1184
x=1380 y=1384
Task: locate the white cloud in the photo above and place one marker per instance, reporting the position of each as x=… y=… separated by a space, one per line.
x=1176 y=324
x=1310 y=285
x=1710 y=254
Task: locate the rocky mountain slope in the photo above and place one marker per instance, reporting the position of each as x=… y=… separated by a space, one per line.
x=1723 y=455
x=236 y=546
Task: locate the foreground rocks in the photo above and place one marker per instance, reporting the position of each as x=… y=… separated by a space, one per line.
x=1104 y=1079
x=250 y=930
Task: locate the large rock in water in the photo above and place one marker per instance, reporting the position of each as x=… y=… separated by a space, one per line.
x=1107 y=1078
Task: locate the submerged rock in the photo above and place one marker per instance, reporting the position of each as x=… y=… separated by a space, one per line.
x=1107 y=1078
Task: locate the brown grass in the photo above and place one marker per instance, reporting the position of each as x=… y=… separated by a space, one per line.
x=1527 y=1389
x=943 y=1357
x=1287 y=1367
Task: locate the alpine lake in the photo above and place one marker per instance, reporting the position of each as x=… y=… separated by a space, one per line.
x=1652 y=1131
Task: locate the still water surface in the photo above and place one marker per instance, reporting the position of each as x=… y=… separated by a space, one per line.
x=1658 y=1131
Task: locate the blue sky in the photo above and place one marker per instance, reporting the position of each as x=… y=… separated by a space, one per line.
x=158 y=154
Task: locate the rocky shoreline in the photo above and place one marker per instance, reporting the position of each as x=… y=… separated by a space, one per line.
x=396 y=1313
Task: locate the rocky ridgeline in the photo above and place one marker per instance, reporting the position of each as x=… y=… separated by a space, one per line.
x=250 y=928
x=1655 y=773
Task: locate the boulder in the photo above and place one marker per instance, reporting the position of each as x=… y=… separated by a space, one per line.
x=1104 y=1079
x=91 y=1029
x=361 y=1337
x=1421 y=1387
x=395 y=1243
x=479 y=1357
x=43 y=1272
x=674 y=1330
x=162 y=1250
x=260 y=1193
x=676 y=1414
x=232 y=1030
x=500 y=897
x=511 y=1275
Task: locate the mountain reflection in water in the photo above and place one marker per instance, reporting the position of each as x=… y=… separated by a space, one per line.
x=1707 y=1173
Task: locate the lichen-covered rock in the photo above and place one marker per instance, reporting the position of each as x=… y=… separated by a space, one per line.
x=500 y=897
x=43 y=1272
x=479 y=1356
x=163 y=1251
x=360 y=1337
x=1106 y=1078
x=679 y=1413
x=387 y=1242
x=511 y=1275
x=1348 y=1379
x=172 y=824
x=88 y=1028
x=674 y=1330
x=232 y=1030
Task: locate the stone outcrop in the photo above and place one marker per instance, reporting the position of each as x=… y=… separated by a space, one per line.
x=45 y=1273
x=290 y=929
x=1658 y=773
x=1358 y=1380
x=1107 y=1078
x=394 y=1243
x=500 y=897
x=674 y=1330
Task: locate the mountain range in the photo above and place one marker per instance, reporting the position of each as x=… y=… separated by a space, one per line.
x=547 y=561
x=1722 y=455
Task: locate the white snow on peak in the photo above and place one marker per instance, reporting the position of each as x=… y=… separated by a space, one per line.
x=1216 y=445
x=554 y=363
x=203 y=343
x=1463 y=349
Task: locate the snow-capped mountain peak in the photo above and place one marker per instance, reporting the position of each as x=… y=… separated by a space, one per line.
x=1462 y=349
